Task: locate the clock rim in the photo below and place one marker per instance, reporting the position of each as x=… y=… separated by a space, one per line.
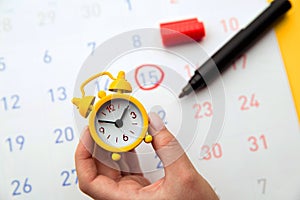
x=93 y=131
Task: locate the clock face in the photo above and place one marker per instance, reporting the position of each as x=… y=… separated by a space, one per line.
x=119 y=123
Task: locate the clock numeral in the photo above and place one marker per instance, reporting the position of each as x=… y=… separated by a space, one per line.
x=125 y=137
x=133 y=115
x=101 y=130
x=110 y=108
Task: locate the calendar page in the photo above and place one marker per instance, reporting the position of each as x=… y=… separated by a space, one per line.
x=44 y=45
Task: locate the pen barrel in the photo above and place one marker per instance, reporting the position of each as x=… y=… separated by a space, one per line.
x=206 y=73
x=235 y=47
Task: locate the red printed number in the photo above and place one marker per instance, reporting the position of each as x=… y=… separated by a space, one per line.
x=214 y=152
x=188 y=70
x=248 y=102
x=240 y=63
x=231 y=24
x=257 y=143
x=204 y=109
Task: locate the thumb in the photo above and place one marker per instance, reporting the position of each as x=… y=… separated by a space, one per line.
x=166 y=146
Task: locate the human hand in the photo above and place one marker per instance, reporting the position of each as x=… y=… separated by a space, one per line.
x=181 y=180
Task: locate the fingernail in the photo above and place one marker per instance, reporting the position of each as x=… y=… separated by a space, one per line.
x=155 y=123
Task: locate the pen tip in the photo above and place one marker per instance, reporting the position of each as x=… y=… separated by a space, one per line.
x=186 y=90
x=182 y=94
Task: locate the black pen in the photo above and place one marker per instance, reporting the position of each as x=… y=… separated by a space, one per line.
x=236 y=46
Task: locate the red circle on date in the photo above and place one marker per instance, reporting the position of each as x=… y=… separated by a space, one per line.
x=150 y=68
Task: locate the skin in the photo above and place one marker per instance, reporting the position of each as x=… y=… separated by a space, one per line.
x=181 y=180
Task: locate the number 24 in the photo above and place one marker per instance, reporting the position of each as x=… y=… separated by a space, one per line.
x=248 y=103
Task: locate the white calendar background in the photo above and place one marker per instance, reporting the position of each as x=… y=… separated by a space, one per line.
x=42 y=47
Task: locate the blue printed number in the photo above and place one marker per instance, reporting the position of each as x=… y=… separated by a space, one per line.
x=11 y=102
x=159 y=164
x=136 y=41
x=162 y=114
x=16 y=143
x=69 y=177
x=105 y=85
x=47 y=57
x=64 y=135
x=91 y=10
x=92 y=45
x=2 y=64
x=129 y=4
x=58 y=94
x=20 y=188
x=152 y=77
x=5 y=25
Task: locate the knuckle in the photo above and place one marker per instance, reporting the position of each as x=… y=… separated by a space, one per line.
x=188 y=178
x=164 y=139
x=83 y=187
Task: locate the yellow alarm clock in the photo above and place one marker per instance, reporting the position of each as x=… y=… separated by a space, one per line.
x=118 y=122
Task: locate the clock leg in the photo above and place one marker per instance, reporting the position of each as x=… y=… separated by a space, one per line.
x=115 y=156
x=148 y=139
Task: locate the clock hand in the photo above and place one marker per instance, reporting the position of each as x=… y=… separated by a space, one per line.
x=119 y=122
x=123 y=114
x=105 y=121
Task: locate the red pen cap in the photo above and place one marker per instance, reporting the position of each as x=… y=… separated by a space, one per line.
x=170 y=32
